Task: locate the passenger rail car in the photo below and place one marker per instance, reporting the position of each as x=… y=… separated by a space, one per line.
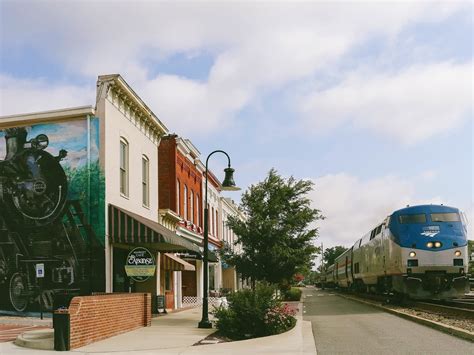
x=419 y=251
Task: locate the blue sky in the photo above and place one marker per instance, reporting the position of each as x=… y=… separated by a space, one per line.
x=372 y=101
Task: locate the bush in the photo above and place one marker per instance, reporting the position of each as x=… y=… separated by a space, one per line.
x=252 y=314
x=293 y=294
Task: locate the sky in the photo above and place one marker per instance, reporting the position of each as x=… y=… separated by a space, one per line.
x=372 y=101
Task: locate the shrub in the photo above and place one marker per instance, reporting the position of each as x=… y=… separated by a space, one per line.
x=293 y=294
x=252 y=314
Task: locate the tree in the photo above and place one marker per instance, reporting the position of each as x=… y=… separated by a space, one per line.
x=275 y=237
x=330 y=254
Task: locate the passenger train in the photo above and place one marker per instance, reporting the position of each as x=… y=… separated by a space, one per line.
x=419 y=251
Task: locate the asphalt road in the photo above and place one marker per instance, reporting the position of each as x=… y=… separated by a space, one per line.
x=342 y=326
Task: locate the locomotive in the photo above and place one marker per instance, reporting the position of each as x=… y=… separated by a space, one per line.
x=33 y=226
x=418 y=252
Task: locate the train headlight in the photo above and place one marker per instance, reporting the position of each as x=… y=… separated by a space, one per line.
x=429 y=244
x=412 y=254
x=457 y=253
x=437 y=244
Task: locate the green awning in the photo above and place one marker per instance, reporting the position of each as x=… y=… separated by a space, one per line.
x=126 y=227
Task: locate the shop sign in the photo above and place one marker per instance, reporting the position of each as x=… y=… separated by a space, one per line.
x=140 y=264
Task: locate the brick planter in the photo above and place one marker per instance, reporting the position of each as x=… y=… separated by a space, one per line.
x=94 y=318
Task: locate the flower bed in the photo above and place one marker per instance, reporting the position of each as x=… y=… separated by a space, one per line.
x=254 y=313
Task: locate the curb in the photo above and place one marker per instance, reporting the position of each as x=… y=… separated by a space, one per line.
x=458 y=332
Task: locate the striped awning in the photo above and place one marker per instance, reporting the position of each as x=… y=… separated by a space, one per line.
x=175 y=263
x=126 y=227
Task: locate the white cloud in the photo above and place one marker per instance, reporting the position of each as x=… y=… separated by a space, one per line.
x=256 y=46
x=25 y=95
x=411 y=105
x=353 y=206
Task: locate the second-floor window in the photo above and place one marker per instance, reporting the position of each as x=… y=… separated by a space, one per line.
x=123 y=167
x=178 y=197
x=191 y=206
x=185 y=203
x=145 y=181
x=198 y=211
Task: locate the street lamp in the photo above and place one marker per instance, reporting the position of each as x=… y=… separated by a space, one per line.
x=227 y=185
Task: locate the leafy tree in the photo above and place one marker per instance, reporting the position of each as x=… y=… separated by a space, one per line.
x=330 y=254
x=276 y=238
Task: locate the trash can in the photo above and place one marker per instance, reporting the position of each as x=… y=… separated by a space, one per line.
x=61 y=325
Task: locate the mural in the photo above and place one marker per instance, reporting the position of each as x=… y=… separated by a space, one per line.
x=51 y=213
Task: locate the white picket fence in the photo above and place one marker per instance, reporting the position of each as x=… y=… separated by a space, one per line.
x=193 y=301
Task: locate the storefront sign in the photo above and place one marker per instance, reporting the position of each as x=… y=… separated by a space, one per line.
x=140 y=264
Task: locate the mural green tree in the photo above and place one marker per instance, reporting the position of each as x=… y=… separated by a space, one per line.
x=276 y=238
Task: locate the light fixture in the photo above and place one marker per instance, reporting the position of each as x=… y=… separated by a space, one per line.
x=429 y=244
x=412 y=254
x=437 y=244
x=457 y=253
x=227 y=185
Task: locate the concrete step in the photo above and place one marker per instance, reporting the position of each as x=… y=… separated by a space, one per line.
x=42 y=339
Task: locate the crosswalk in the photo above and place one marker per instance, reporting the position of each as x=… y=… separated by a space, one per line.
x=9 y=332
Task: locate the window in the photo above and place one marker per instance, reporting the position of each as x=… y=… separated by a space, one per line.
x=123 y=167
x=198 y=211
x=217 y=224
x=412 y=218
x=178 y=197
x=212 y=219
x=191 y=207
x=378 y=230
x=145 y=181
x=185 y=203
x=445 y=217
x=167 y=280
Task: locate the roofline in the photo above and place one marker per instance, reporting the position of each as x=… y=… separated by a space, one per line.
x=46 y=116
x=118 y=79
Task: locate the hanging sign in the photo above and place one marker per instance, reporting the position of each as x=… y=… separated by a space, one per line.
x=140 y=264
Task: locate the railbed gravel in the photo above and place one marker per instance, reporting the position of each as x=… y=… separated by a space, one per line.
x=453 y=321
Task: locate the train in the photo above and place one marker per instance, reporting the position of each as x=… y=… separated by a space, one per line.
x=417 y=252
x=39 y=226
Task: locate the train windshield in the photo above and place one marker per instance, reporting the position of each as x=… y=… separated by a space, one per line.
x=412 y=218
x=445 y=217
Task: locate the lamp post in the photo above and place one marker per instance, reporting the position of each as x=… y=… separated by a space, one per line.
x=227 y=185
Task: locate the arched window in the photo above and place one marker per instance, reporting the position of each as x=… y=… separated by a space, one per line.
x=178 y=197
x=185 y=203
x=124 y=167
x=145 y=181
x=198 y=211
x=191 y=206
x=212 y=219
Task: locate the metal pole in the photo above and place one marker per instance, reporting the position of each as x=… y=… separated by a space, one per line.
x=205 y=323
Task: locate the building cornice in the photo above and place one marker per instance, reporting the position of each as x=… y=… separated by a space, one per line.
x=46 y=116
x=116 y=90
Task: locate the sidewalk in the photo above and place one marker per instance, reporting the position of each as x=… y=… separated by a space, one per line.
x=176 y=332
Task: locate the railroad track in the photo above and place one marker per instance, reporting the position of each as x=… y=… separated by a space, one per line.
x=451 y=308
x=463 y=307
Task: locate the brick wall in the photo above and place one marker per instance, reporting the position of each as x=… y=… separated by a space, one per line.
x=167 y=173
x=93 y=318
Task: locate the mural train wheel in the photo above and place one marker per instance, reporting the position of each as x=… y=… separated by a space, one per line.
x=17 y=292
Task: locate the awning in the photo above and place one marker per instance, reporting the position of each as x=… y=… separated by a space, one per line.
x=126 y=227
x=173 y=262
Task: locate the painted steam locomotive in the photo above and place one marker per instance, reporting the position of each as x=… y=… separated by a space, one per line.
x=418 y=251
x=38 y=225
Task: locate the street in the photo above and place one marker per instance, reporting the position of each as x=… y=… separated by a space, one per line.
x=344 y=326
